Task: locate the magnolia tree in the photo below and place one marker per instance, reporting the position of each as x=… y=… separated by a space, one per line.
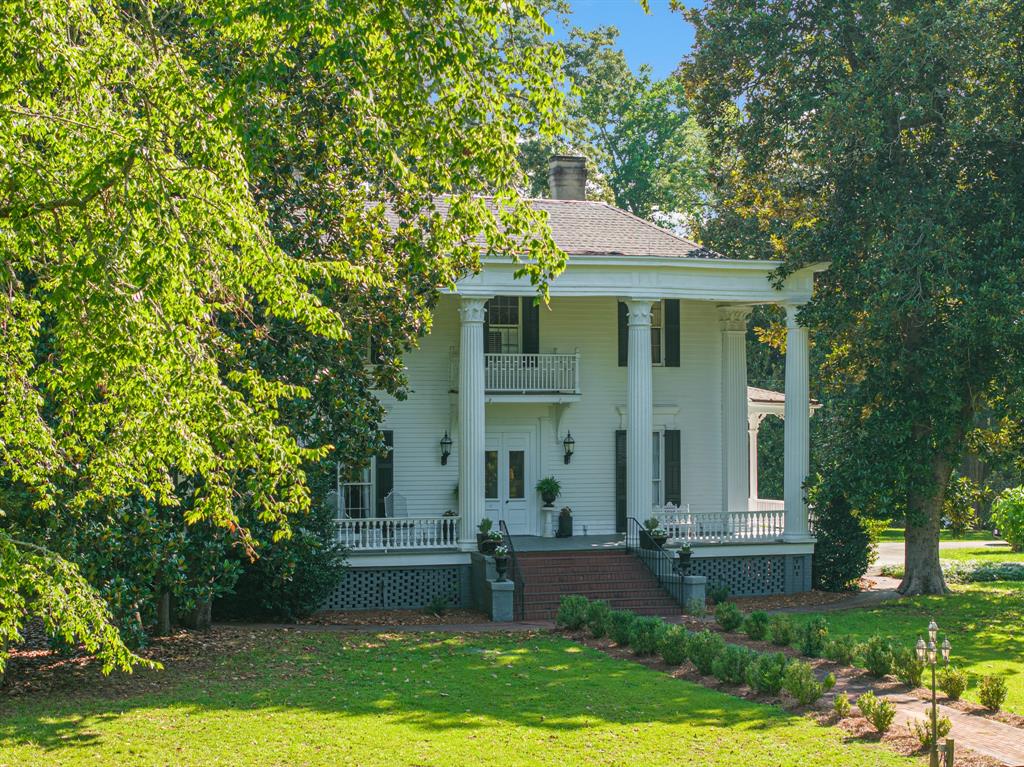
x=884 y=138
x=204 y=210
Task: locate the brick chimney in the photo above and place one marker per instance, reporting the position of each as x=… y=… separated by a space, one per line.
x=567 y=177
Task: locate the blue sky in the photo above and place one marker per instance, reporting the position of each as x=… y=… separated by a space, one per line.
x=660 y=38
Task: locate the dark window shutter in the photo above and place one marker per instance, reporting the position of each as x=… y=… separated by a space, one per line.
x=673 y=468
x=671 y=320
x=385 y=474
x=620 y=480
x=530 y=311
x=623 y=336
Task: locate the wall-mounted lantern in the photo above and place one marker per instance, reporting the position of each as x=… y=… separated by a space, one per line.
x=569 y=444
x=446 y=448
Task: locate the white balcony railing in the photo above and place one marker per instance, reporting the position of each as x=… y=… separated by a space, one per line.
x=526 y=373
x=399 y=533
x=684 y=526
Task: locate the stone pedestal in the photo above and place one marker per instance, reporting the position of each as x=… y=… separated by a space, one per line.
x=548 y=520
x=501 y=597
x=694 y=589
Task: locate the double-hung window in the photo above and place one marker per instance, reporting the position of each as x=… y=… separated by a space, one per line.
x=657 y=333
x=657 y=471
x=504 y=325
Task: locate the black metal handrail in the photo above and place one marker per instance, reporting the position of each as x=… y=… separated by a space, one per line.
x=515 y=573
x=662 y=563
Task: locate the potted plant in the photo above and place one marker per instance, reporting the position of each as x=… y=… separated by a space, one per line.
x=501 y=560
x=488 y=538
x=483 y=530
x=684 y=554
x=549 y=489
x=564 y=523
x=655 y=537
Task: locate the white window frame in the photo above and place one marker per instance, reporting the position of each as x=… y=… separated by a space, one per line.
x=367 y=480
x=658 y=470
x=658 y=329
x=518 y=326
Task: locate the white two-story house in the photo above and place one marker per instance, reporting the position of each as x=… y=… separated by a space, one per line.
x=629 y=387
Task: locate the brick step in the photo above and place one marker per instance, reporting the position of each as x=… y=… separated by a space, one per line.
x=542 y=614
x=625 y=587
x=618 y=603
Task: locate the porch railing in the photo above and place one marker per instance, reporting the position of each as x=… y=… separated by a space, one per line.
x=398 y=533
x=661 y=563
x=684 y=526
x=526 y=373
x=515 y=573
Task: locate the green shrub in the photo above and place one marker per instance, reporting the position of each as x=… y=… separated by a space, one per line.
x=923 y=730
x=728 y=616
x=992 y=692
x=644 y=635
x=907 y=668
x=673 y=645
x=730 y=666
x=841 y=649
x=877 y=656
x=959 y=509
x=598 y=616
x=703 y=648
x=620 y=626
x=766 y=672
x=843 y=550
x=781 y=629
x=953 y=682
x=800 y=682
x=756 y=625
x=841 y=705
x=877 y=711
x=572 y=612
x=810 y=636
x=1008 y=516
x=696 y=608
x=718 y=593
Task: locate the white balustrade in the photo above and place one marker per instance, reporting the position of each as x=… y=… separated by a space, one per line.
x=685 y=526
x=400 y=533
x=527 y=373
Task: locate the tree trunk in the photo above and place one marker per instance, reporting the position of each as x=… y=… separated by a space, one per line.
x=163 y=614
x=922 y=572
x=199 y=619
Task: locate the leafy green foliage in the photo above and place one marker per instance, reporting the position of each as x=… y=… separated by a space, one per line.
x=703 y=648
x=811 y=636
x=844 y=548
x=673 y=644
x=730 y=665
x=799 y=681
x=851 y=133
x=718 y=593
x=766 y=672
x=756 y=625
x=992 y=692
x=1008 y=516
x=841 y=705
x=645 y=635
x=598 y=618
x=878 y=711
x=953 y=682
x=923 y=729
x=572 y=611
x=620 y=626
x=781 y=629
x=841 y=649
x=960 y=507
x=907 y=668
x=877 y=655
x=728 y=616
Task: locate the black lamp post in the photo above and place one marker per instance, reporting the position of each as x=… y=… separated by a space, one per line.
x=446 y=448
x=928 y=653
x=569 y=444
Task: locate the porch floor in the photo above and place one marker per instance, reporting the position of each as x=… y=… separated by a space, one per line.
x=527 y=543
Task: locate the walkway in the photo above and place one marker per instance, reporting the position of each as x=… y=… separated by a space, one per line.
x=891 y=552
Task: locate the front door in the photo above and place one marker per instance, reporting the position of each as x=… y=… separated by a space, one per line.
x=507 y=481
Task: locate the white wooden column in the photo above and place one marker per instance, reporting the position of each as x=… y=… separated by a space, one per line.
x=797 y=435
x=735 y=467
x=753 y=427
x=639 y=406
x=472 y=427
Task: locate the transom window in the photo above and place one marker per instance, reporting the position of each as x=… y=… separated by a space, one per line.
x=657 y=333
x=504 y=326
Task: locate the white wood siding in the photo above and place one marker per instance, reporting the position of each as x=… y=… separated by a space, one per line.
x=687 y=398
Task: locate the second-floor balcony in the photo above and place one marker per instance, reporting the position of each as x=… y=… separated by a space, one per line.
x=551 y=374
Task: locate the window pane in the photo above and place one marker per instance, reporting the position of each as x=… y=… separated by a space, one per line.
x=516 y=471
x=491 y=473
x=656 y=469
x=656 y=333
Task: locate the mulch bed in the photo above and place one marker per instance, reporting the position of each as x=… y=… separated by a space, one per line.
x=395 y=618
x=803 y=599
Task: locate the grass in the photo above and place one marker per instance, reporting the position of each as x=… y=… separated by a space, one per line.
x=326 y=699
x=982 y=620
x=996 y=552
x=895 y=534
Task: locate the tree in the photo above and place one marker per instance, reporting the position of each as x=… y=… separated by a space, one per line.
x=155 y=233
x=637 y=133
x=884 y=138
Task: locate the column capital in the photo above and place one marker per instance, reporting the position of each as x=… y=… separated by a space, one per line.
x=638 y=311
x=471 y=308
x=733 y=318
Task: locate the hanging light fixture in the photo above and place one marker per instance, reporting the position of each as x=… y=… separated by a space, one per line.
x=569 y=444
x=446 y=448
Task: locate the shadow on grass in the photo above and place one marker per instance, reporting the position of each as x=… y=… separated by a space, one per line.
x=430 y=683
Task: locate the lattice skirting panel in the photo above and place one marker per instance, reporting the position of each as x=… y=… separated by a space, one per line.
x=400 y=588
x=745 y=576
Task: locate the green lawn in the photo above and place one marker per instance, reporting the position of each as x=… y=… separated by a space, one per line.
x=983 y=621
x=992 y=553
x=891 y=534
x=323 y=699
